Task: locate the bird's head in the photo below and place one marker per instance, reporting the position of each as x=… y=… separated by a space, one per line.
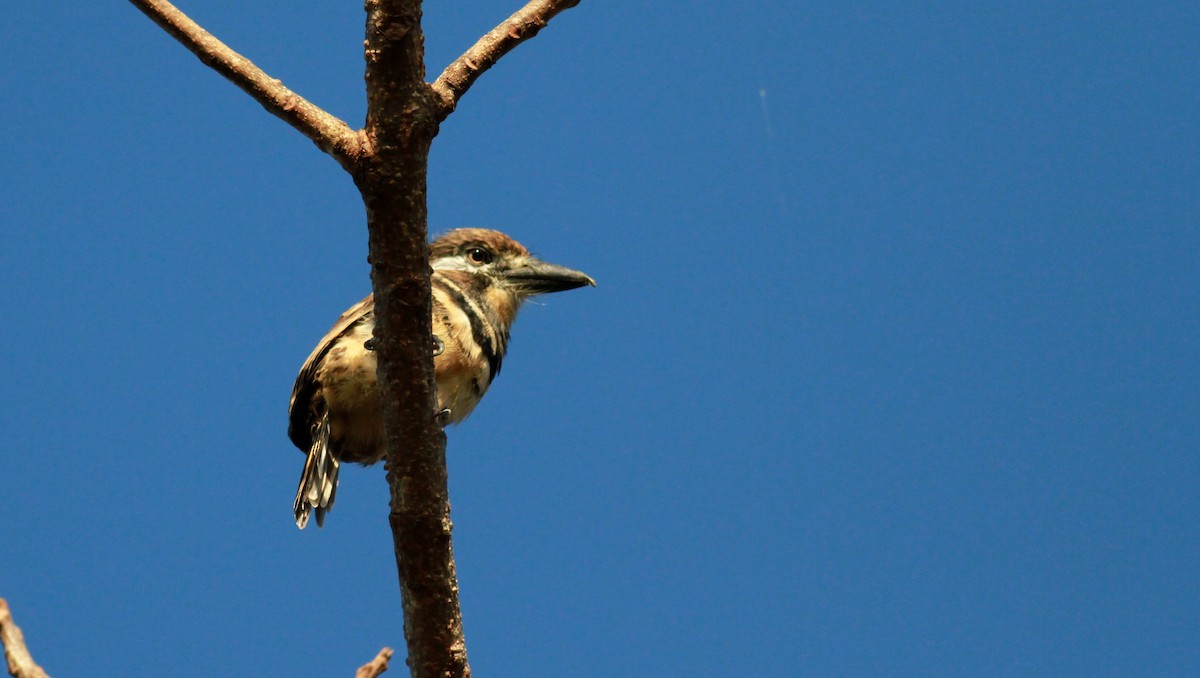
x=502 y=262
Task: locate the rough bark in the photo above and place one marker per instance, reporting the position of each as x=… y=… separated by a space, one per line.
x=400 y=127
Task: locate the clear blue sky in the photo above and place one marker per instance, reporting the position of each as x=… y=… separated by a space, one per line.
x=893 y=368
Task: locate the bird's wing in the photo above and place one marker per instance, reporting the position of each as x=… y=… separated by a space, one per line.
x=306 y=381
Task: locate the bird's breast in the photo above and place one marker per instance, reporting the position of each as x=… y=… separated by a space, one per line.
x=351 y=394
x=462 y=370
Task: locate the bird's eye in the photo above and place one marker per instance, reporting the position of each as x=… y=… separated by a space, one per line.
x=479 y=256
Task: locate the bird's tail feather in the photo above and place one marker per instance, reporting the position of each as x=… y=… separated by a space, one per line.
x=318 y=483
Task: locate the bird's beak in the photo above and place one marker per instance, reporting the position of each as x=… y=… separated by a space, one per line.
x=538 y=277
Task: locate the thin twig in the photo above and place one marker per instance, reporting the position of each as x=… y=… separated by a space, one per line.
x=20 y=662
x=460 y=75
x=376 y=666
x=328 y=132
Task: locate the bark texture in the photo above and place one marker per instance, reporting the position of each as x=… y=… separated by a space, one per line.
x=400 y=128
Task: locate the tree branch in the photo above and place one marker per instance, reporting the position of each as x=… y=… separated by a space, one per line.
x=389 y=162
x=460 y=75
x=376 y=666
x=401 y=124
x=328 y=132
x=20 y=662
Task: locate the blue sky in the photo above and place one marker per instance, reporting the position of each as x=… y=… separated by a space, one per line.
x=892 y=369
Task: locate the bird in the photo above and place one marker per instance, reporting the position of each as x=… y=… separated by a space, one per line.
x=479 y=279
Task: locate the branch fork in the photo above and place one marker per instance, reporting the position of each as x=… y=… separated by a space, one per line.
x=388 y=160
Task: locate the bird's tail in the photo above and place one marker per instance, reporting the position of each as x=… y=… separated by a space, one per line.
x=318 y=483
